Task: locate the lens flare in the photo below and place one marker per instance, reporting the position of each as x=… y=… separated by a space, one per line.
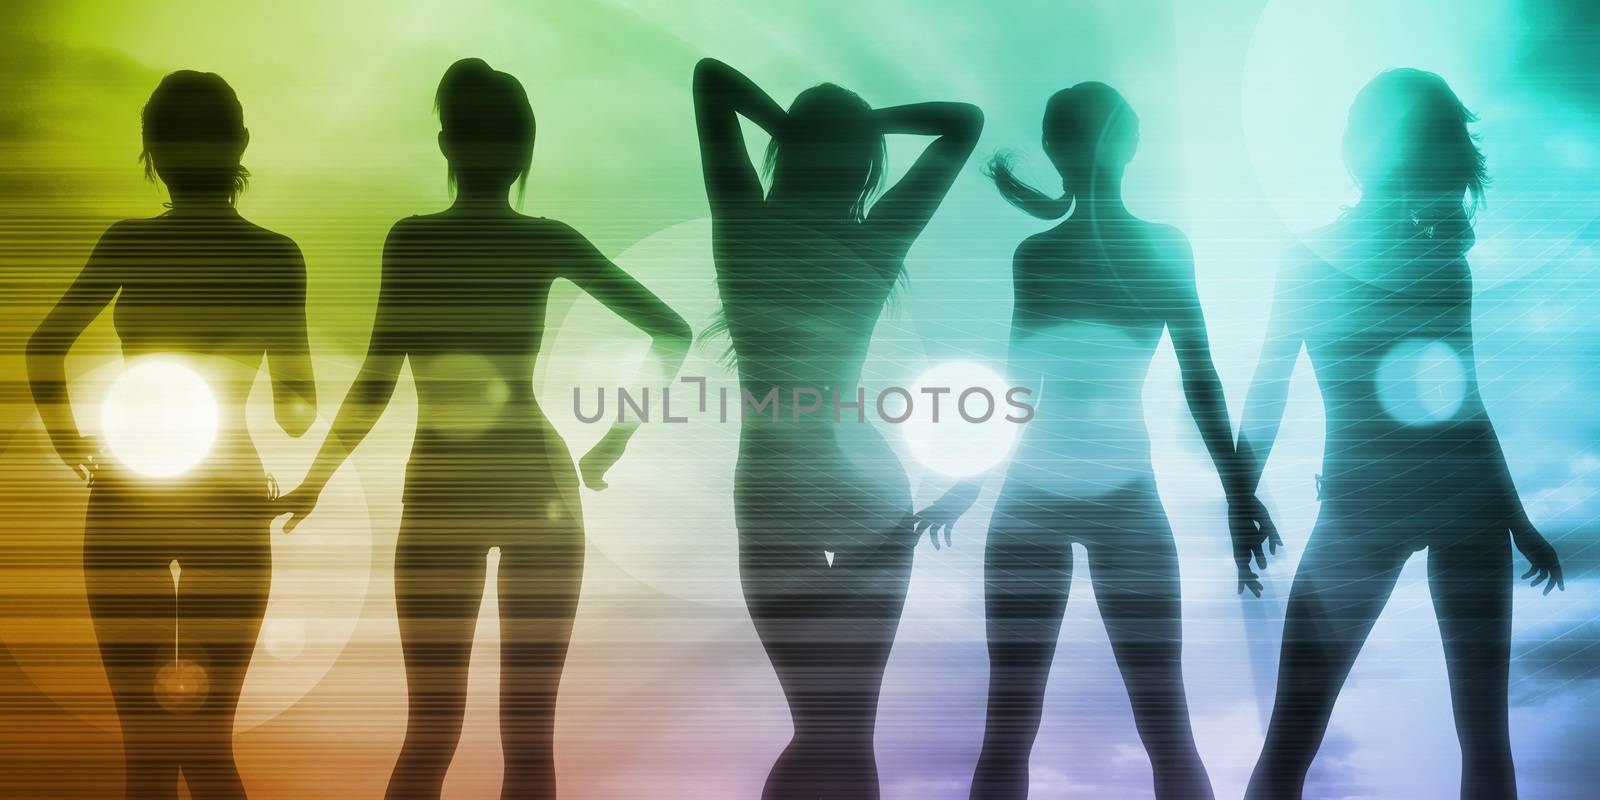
x=182 y=686
x=160 y=418
x=971 y=434
x=283 y=633
x=1421 y=381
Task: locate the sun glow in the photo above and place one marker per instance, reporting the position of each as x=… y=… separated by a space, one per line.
x=160 y=418
x=971 y=434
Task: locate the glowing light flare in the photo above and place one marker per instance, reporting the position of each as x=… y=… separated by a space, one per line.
x=467 y=393
x=160 y=418
x=1421 y=381
x=971 y=434
x=182 y=686
x=283 y=633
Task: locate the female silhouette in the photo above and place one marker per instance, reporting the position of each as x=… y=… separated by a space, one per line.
x=1093 y=295
x=202 y=287
x=804 y=271
x=1382 y=302
x=463 y=298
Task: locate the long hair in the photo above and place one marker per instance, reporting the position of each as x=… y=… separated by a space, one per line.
x=486 y=107
x=1407 y=136
x=830 y=120
x=199 y=114
x=831 y=130
x=1089 y=131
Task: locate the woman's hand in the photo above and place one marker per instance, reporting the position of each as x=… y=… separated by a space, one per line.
x=81 y=454
x=1251 y=528
x=605 y=454
x=297 y=504
x=942 y=515
x=1543 y=564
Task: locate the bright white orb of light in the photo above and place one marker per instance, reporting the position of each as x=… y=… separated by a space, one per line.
x=959 y=445
x=160 y=418
x=1421 y=381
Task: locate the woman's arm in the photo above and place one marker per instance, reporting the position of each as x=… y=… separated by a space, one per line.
x=1208 y=404
x=1022 y=370
x=1269 y=386
x=1249 y=524
x=721 y=95
x=294 y=386
x=368 y=396
x=905 y=209
x=670 y=335
x=94 y=288
x=1544 y=565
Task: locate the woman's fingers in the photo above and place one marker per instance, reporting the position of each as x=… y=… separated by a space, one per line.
x=1268 y=528
x=1247 y=580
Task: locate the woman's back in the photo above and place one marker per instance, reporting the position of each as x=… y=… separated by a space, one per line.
x=802 y=300
x=207 y=285
x=211 y=291
x=464 y=298
x=1092 y=299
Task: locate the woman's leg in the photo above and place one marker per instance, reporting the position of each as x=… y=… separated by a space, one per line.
x=438 y=586
x=1343 y=581
x=1134 y=563
x=1027 y=574
x=131 y=600
x=221 y=601
x=539 y=583
x=828 y=632
x=1471 y=583
x=176 y=655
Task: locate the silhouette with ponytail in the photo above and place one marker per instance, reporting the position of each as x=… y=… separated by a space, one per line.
x=804 y=271
x=203 y=288
x=463 y=299
x=1381 y=301
x=1093 y=295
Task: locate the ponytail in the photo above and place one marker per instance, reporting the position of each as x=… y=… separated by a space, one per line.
x=486 y=106
x=1020 y=193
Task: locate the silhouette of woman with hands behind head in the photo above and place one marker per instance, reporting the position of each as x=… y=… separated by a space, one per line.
x=202 y=291
x=1093 y=295
x=463 y=298
x=1382 y=302
x=804 y=271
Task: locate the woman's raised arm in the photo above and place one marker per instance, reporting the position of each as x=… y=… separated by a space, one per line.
x=722 y=94
x=904 y=210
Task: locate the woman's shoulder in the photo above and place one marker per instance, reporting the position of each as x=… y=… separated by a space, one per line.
x=232 y=232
